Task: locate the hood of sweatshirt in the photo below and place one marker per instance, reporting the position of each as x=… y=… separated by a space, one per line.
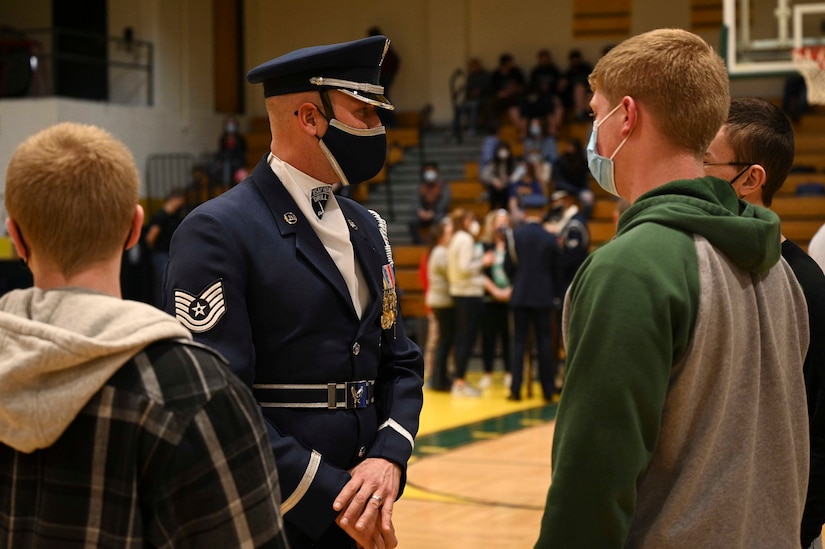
x=749 y=235
x=58 y=348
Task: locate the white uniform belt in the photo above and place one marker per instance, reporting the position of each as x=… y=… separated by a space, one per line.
x=333 y=396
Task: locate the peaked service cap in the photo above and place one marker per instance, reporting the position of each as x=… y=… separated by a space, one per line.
x=533 y=201
x=351 y=67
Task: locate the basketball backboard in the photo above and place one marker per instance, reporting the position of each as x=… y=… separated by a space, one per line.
x=758 y=36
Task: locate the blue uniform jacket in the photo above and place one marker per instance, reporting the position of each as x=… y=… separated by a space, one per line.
x=286 y=317
x=532 y=267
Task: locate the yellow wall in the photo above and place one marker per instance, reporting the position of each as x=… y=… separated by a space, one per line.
x=434 y=37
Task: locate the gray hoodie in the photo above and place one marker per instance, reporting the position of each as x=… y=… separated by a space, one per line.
x=683 y=421
x=58 y=348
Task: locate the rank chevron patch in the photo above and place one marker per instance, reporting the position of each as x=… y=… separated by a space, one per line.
x=200 y=313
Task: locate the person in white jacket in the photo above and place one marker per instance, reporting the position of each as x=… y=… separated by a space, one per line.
x=465 y=262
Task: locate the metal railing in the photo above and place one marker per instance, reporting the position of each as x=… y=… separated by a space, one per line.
x=198 y=178
x=165 y=173
x=33 y=63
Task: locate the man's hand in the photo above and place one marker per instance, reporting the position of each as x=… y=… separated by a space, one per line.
x=373 y=539
x=366 y=502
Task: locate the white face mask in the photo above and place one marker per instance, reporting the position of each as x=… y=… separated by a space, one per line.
x=600 y=166
x=503 y=154
x=430 y=176
x=474 y=228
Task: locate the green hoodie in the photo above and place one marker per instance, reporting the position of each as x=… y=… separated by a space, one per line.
x=682 y=422
x=749 y=235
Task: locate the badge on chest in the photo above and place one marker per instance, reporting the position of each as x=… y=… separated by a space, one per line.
x=318 y=197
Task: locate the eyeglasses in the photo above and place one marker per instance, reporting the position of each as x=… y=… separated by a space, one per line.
x=728 y=163
x=747 y=166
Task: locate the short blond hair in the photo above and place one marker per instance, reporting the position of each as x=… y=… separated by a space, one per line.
x=72 y=191
x=677 y=76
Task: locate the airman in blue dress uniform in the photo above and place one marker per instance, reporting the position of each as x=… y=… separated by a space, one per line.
x=295 y=286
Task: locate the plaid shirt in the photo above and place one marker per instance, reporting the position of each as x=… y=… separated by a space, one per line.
x=171 y=452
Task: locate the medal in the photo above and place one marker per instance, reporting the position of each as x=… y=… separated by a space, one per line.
x=389 y=305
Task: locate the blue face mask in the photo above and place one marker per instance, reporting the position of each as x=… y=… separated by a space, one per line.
x=602 y=167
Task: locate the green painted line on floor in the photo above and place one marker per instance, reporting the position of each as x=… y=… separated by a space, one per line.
x=484 y=434
x=459 y=436
x=531 y=422
x=431 y=450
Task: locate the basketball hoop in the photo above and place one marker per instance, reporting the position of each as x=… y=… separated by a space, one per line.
x=810 y=62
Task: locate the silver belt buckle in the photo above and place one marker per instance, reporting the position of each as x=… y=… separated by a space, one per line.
x=357 y=394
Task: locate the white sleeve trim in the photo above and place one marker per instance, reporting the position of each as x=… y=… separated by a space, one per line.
x=397 y=427
x=303 y=486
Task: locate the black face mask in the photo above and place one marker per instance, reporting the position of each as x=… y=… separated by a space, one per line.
x=557 y=211
x=355 y=154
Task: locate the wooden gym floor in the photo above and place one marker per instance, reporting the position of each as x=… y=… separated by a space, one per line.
x=480 y=472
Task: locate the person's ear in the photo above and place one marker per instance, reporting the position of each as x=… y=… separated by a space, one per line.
x=631 y=116
x=753 y=180
x=134 y=230
x=309 y=118
x=17 y=237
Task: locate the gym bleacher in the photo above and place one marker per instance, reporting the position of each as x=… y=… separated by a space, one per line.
x=800 y=203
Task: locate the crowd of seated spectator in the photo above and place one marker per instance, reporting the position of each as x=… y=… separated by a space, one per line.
x=508 y=179
x=525 y=157
x=548 y=97
x=530 y=157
